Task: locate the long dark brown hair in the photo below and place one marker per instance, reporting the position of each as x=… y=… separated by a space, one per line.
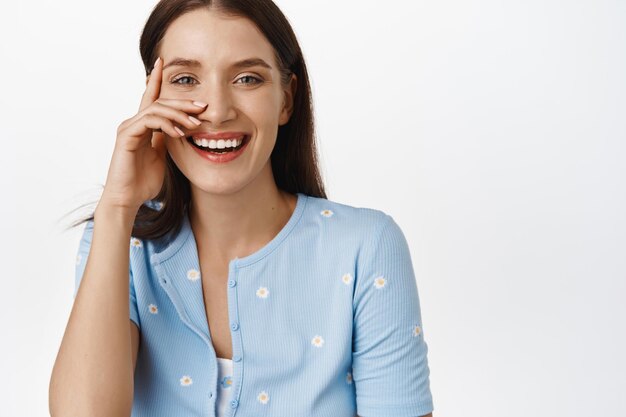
x=294 y=157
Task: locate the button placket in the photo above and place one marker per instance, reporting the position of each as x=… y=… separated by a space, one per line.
x=233 y=311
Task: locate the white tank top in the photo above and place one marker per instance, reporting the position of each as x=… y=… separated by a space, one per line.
x=224 y=384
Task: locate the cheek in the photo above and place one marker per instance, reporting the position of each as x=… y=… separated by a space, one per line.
x=176 y=151
x=170 y=91
x=263 y=108
x=174 y=146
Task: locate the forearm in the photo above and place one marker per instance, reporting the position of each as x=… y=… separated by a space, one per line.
x=93 y=372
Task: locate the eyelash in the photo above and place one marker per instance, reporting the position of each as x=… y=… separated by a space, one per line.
x=175 y=81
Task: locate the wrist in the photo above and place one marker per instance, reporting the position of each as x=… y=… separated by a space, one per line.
x=108 y=212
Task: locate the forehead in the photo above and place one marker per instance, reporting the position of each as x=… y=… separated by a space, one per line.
x=214 y=39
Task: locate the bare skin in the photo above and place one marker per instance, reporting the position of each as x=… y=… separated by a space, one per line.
x=239 y=203
x=236 y=208
x=214 y=273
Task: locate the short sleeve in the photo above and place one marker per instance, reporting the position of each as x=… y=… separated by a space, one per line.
x=389 y=358
x=81 y=262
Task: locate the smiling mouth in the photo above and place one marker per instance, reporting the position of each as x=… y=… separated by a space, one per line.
x=243 y=143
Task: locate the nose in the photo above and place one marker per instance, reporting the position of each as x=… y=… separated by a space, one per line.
x=221 y=106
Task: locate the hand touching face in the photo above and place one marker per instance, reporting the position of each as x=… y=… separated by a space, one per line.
x=225 y=61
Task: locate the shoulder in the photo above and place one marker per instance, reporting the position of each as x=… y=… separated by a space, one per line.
x=345 y=221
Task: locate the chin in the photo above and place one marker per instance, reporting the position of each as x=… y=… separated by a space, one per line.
x=219 y=186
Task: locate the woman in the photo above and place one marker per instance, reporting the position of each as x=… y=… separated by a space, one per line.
x=248 y=290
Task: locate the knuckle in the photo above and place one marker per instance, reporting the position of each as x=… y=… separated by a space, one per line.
x=122 y=125
x=148 y=118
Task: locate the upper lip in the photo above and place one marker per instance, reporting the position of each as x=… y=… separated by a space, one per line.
x=217 y=135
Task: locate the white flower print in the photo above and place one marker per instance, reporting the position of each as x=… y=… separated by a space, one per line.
x=349 y=378
x=79 y=258
x=417 y=330
x=153 y=309
x=317 y=341
x=186 y=381
x=134 y=242
x=193 y=274
x=346 y=278
x=263 y=397
x=326 y=213
x=380 y=282
x=262 y=292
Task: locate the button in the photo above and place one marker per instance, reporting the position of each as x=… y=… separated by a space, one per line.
x=232 y=283
x=236 y=358
x=234 y=404
x=210 y=394
x=234 y=326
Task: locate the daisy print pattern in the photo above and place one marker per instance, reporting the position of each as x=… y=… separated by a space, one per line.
x=263 y=397
x=346 y=278
x=317 y=341
x=417 y=330
x=135 y=243
x=262 y=292
x=193 y=274
x=153 y=309
x=326 y=213
x=380 y=282
x=226 y=382
x=186 y=381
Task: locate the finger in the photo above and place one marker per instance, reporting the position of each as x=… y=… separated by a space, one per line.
x=189 y=106
x=151 y=122
x=184 y=106
x=175 y=115
x=153 y=88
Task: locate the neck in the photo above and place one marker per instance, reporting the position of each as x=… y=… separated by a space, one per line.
x=238 y=224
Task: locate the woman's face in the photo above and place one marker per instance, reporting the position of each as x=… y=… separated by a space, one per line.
x=246 y=99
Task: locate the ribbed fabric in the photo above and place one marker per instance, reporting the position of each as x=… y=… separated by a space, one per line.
x=325 y=321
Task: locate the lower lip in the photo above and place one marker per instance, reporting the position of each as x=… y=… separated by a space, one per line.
x=222 y=158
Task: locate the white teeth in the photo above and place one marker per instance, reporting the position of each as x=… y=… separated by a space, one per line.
x=218 y=144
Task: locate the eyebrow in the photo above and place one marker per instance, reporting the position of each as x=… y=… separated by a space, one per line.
x=244 y=63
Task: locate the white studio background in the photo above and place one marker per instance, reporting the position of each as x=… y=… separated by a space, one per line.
x=494 y=132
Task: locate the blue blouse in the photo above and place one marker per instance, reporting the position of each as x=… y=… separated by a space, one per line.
x=325 y=321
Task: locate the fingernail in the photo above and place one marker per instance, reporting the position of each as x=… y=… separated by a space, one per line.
x=180 y=132
x=200 y=104
x=157 y=61
x=196 y=121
